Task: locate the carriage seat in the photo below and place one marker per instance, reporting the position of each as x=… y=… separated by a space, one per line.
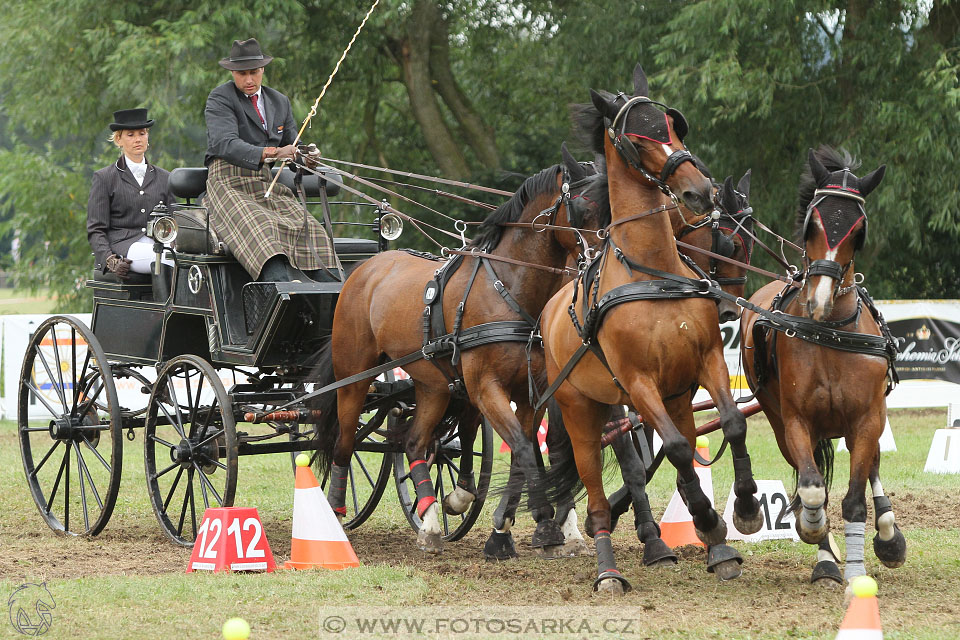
x=137 y=286
x=191 y=182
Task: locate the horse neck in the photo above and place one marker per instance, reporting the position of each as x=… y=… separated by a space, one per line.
x=530 y=287
x=649 y=241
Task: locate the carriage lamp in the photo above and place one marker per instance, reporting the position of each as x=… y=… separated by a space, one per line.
x=161 y=226
x=391 y=226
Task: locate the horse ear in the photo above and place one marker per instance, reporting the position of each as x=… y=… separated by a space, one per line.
x=820 y=172
x=744 y=185
x=639 y=81
x=729 y=198
x=600 y=103
x=576 y=170
x=870 y=181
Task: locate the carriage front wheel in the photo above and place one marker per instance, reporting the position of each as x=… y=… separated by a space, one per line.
x=190 y=446
x=69 y=426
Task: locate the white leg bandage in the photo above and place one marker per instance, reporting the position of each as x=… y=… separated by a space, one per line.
x=854 y=532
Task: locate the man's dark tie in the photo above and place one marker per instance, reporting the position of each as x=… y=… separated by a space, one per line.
x=263 y=122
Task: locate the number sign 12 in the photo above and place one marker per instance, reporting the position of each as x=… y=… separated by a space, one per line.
x=231 y=539
x=778 y=521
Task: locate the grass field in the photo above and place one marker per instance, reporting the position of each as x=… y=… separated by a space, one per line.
x=130 y=583
x=19 y=301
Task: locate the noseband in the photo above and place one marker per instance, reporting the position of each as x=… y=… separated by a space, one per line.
x=722 y=243
x=628 y=151
x=831 y=268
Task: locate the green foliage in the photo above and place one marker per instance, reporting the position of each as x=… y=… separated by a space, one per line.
x=760 y=81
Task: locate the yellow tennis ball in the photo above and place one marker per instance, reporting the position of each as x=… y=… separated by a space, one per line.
x=863 y=586
x=303 y=460
x=703 y=442
x=236 y=628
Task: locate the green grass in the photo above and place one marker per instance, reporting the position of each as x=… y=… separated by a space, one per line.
x=19 y=301
x=129 y=582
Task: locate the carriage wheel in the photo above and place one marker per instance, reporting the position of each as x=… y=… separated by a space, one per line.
x=190 y=447
x=444 y=468
x=72 y=457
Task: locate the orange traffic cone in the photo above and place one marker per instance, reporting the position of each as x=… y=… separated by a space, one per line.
x=318 y=539
x=862 y=621
x=676 y=526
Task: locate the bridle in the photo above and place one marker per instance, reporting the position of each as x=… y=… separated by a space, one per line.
x=628 y=151
x=722 y=243
x=831 y=268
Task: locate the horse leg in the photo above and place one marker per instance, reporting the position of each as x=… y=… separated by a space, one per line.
x=431 y=407
x=863 y=451
x=812 y=523
x=460 y=499
x=655 y=551
x=499 y=545
x=827 y=572
x=350 y=400
x=560 y=453
x=584 y=419
x=747 y=517
x=722 y=560
x=889 y=545
x=495 y=405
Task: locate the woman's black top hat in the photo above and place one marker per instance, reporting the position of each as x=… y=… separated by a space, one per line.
x=245 y=55
x=130 y=119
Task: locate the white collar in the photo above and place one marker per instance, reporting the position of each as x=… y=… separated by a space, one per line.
x=140 y=165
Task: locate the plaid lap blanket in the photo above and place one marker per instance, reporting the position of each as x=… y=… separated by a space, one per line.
x=256 y=228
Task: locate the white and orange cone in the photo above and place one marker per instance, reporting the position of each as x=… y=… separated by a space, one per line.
x=862 y=621
x=318 y=539
x=676 y=526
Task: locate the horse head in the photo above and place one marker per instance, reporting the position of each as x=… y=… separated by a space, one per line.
x=832 y=226
x=644 y=138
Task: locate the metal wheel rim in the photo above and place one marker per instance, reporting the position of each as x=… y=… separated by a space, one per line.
x=84 y=393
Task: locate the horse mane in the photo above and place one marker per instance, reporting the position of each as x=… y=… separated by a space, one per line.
x=833 y=160
x=491 y=230
x=588 y=126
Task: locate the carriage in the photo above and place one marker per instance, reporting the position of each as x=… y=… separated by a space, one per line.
x=207 y=366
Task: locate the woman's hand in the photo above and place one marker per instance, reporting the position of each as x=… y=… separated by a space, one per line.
x=119 y=265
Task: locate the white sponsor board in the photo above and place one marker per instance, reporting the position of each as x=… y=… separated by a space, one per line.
x=778 y=520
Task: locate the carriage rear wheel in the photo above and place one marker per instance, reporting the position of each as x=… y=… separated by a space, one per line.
x=444 y=470
x=190 y=446
x=72 y=454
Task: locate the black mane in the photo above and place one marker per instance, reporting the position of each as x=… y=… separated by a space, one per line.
x=491 y=230
x=833 y=160
x=588 y=125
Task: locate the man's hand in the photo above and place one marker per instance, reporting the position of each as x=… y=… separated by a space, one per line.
x=119 y=265
x=286 y=153
x=308 y=155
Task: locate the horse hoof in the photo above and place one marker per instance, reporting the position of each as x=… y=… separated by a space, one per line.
x=547 y=534
x=656 y=553
x=569 y=549
x=724 y=561
x=457 y=502
x=812 y=536
x=430 y=542
x=827 y=574
x=716 y=536
x=747 y=524
x=611 y=582
x=893 y=552
x=499 y=546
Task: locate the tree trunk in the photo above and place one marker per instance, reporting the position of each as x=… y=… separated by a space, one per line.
x=414 y=55
x=479 y=136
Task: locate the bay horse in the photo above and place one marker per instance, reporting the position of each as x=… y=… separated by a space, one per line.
x=726 y=231
x=647 y=353
x=385 y=312
x=825 y=371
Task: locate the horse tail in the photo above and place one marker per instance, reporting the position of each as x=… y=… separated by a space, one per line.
x=562 y=479
x=327 y=428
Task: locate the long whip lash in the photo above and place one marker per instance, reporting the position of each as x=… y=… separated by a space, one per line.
x=313 y=109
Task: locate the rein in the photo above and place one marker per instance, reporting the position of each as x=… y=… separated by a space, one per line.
x=476 y=253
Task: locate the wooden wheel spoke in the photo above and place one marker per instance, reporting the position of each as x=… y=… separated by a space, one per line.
x=106 y=465
x=205 y=481
x=36 y=469
x=173 y=487
x=86 y=471
x=56 y=354
x=39 y=396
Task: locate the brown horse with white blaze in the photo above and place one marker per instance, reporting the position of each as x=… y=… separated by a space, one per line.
x=821 y=367
x=628 y=343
